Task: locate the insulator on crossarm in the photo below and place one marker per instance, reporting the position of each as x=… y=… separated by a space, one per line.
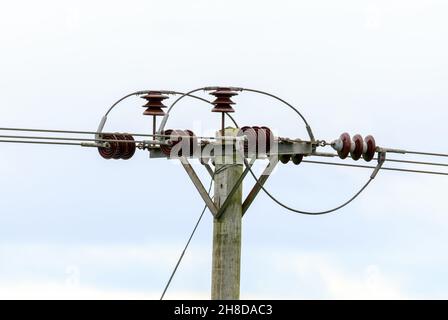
x=187 y=138
x=265 y=139
x=259 y=136
x=193 y=142
x=342 y=145
x=258 y=140
x=223 y=101
x=110 y=151
x=357 y=147
x=117 y=146
x=250 y=141
x=154 y=103
x=369 y=148
x=121 y=147
x=130 y=147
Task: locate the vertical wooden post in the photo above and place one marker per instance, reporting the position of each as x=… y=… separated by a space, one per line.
x=226 y=261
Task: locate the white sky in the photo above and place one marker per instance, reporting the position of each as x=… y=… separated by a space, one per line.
x=75 y=226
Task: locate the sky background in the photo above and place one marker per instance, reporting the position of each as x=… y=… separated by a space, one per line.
x=73 y=225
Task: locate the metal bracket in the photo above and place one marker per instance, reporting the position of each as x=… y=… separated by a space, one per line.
x=381 y=160
x=100 y=127
x=235 y=188
x=199 y=186
x=258 y=185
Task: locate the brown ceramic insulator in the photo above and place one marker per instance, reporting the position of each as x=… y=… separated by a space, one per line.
x=223 y=101
x=123 y=146
x=193 y=142
x=251 y=138
x=130 y=147
x=346 y=143
x=297 y=159
x=371 y=148
x=357 y=152
x=154 y=103
x=177 y=136
x=166 y=149
x=108 y=153
x=284 y=158
x=120 y=149
x=260 y=136
x=269 y=138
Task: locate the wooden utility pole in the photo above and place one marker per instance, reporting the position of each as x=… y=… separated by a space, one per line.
x=226 y=262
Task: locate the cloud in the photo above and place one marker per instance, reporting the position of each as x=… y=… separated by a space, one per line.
x=52 y=291
x=75 y=272
x=325 y=278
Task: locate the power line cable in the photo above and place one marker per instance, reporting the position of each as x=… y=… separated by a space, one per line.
x=427 y=153
x=218 y=171
x=187 y=244
x=68 y=139
x=308 y=127
x=296 y=210
x=426 y=163
x=418 y=162
x=372 y=167
x=46 y=142
x=94 y=133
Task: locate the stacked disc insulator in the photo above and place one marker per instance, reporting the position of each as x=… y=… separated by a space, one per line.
x=223 y=101
x=119 y=146
x=154 y=105
x=356 y=147
x=187 y=138
x=258 y=140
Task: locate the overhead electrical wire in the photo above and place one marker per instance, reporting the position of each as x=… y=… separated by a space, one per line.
x=418 y=162
x=372 y=167
x=307 y=126
x=190 y=94
x=326 y=155
x=62 y=141
x=44 y=142
x=165 y=118
x=316 y=213
x=247 y=164
x=68 y=139
x=187 y=244
x=93 y=132
x=167 y=114
x=427 y=153
x=426 y=163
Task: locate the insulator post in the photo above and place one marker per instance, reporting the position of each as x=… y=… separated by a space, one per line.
x=154 y=107
x=223 y=103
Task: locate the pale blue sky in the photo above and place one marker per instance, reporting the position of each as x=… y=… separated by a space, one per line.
x=73 y=225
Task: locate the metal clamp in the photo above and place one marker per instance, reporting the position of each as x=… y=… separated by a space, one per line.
x=381 y=160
